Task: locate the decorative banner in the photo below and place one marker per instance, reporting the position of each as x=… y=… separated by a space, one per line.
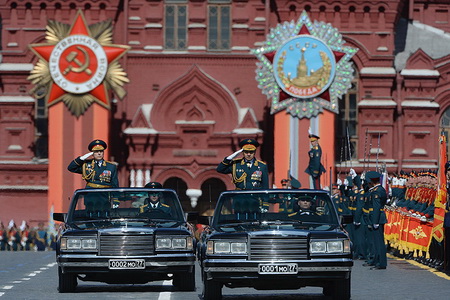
x=407 y=233
x=78 y=65
x=304 y=68
x=441 y=199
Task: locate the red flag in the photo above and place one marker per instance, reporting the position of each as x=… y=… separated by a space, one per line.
x=441 y=199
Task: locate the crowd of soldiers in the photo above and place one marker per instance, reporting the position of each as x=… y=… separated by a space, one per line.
x=412 y=194
x=364 y=198
x=24 y=238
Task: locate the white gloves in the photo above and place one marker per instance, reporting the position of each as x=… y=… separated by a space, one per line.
x=230 y=157
x=352 y=173
x=375 y=226
x=345 y=182
x=339 y=182
x=86 y=155
x=423 y=218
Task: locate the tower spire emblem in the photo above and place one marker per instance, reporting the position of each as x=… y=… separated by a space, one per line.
x=304 y=67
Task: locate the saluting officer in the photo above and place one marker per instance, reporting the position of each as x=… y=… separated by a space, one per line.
x=248 y=173
x=97 y=172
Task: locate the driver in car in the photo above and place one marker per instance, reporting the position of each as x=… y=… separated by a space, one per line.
x=304 y=204
x=153 y=203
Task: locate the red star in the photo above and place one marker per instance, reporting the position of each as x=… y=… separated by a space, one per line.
x=100 y=93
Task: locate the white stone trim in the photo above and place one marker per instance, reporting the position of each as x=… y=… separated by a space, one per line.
x=12 y=99
x=377 y=71
x=377 y=103
x=419 y=103
x=420 y=72
x=140 y=130
x=16 y=67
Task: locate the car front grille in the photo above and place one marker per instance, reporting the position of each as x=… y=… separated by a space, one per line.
x=278 y=248
x=126 y=244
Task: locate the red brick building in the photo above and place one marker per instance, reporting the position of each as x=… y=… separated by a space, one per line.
x=192 y=93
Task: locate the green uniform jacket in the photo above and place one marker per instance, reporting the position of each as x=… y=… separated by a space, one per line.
x=315 y=167
x=96 y=177
x=254 y=178
x=378 y=198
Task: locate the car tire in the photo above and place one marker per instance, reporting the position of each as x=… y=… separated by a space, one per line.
x=339 y=289
x=212 y=290
x=184 y=281
x=67 y=283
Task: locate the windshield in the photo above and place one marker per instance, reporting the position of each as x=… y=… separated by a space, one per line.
x=272 y=210
x=130 y=207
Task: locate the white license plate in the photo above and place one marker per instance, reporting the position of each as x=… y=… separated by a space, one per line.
x=277 y=268
x=122 y=264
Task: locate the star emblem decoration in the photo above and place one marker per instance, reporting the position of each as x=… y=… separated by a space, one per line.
x=304 y=107
x=78 y=65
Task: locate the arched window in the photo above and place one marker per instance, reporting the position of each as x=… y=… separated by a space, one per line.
x=211 y=189
x=180 y=188
x=347 y=125
x=445 y=125
x=41 y=125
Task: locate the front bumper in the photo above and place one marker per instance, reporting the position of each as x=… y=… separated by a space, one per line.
x=91 y=263
x=227 y=270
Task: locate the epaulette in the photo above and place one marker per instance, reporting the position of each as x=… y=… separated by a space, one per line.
x=113 y=162
x=141 y=209
x=260 y=161
x=165 y=205
x=293 y=214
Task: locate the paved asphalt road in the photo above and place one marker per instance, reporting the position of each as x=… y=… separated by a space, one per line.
x=33 y=275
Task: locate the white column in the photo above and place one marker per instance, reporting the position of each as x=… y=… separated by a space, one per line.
x=139 y=178
x=132 y=178
x=193 y=194
x=147 y=176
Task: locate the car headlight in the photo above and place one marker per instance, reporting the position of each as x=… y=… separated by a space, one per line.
x=226 y=247
x=78 y=243
x=163 y=243
x=174 y=243
x=222 y=247
x=334 y=246
x=89 y=244
x=73 y=244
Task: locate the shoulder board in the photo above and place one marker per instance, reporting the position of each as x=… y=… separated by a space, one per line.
x=260 y=161
x=293 y=214
x=237 y=160
x=112 y=162
x=165 y=205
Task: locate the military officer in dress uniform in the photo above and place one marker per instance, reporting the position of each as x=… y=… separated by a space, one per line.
x=97 y=172
x=153 y=203
x=248 y=173
x=315 y=167
x=305 y=210
x=378 y=198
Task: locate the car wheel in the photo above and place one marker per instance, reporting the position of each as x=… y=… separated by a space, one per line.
x=185 y=281
x=338 y=290
x=212 y=290
x=67 y=283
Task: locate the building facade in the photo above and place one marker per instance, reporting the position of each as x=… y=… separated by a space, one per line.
x=193 y=96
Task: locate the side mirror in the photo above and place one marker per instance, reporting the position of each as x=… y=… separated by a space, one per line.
x=346 y=219
x=61 y=217
x=204 y=220
x=191 y=216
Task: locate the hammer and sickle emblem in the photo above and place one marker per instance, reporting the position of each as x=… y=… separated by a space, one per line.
x=72 y=57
